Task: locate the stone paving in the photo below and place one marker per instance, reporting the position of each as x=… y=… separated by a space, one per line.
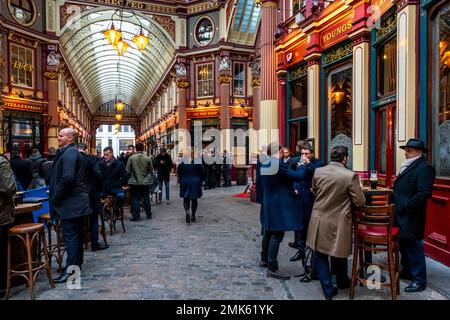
x=214 y=258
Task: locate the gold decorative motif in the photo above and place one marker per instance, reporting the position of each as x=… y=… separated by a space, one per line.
x=387 y=26
x=182 y=84
x=298 y=72
x=167 y=23
x=52 y=75
x=225 y=79
x=256 y=82
x=23 y=40
x=204 y=6
x=338 y=53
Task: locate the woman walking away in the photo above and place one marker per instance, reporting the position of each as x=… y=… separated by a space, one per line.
x=191 y=174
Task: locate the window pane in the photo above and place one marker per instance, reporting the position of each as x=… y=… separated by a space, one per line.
x=441 y=92
x=238 y=79
x=21 y=66
x=383 y=142
x=204 y=80
x=299 y=96
x=387 y=66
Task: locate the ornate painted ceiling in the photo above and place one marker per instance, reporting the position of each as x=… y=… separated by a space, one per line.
x=103 y=75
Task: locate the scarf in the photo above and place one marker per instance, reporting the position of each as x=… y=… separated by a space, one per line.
x=405 y=164
x=108 y=163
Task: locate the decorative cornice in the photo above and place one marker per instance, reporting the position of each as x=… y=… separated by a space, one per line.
x=401 y=4
x=281 y=74
x=338 y=53
x=51 y=75
x=206 y=5
x=167 y=23
x=182 y=84
x=225 y=79
x=298 y=72
x=387 y=26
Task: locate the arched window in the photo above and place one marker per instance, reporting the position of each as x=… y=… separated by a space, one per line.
x=204 y=31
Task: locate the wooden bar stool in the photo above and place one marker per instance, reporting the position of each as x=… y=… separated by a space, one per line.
x=374 y=232
x=56 y=250
x=30 y=234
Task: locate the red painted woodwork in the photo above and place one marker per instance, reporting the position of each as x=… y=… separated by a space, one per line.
x=437 y=228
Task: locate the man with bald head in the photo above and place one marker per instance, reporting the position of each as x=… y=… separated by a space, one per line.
x=69 y=200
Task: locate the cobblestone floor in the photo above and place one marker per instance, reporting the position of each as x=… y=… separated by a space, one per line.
x=215 y=258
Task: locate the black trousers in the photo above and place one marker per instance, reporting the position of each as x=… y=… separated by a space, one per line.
x=338 y=267
x=3 y=255
x=413 y=259
x=270 y=245
x=72 y=232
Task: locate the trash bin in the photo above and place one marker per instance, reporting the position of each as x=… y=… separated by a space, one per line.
x=242 y=175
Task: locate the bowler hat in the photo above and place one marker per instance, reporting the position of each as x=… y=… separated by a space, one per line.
x=415 y=143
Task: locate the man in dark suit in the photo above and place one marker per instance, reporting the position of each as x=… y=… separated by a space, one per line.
x=306 y=166
x=278 y=208
x=163 y=164
x=69 y=199
x=412 y=188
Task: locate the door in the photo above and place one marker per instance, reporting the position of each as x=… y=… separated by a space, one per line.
x=385 y=143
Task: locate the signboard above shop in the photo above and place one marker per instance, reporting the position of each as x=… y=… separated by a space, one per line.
x=23 y=105
x=337 y=32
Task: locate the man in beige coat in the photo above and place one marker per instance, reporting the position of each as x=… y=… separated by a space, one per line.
x=337 y=189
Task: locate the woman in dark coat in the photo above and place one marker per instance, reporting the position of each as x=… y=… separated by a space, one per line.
x=191 y=174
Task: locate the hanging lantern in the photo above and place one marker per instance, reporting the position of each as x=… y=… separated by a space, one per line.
x=118 y=117
x=141 y=41
x=121 y=47
x=117 y=126
x=120 y=105
x=112 y=35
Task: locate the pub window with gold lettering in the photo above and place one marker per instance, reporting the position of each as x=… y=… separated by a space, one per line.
x=21 y=66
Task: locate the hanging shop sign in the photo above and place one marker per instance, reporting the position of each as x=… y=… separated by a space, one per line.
x=336 y=33
x=23 y=105
x=203 y=114
x=295 y=55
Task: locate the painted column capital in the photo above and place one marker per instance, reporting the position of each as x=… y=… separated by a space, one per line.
x=225 y=79
x=256 y=82
x=182 y=83
x=314 y=60
x=281 y=74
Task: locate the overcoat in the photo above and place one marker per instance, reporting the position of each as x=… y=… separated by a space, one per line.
x=337 y=189
x=412 y=188
x=191 y=176
x=7 y=191
x=279 y=210
x=68 y=188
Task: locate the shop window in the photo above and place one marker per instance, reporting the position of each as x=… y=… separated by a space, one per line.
x=204 y=31
x=340 y=109
x=387 y=67
x=21 y=66
x=205 y=80
x=299 y=98
x=238 y=79
x=440 y=95
x=98 y=145
x=23 y=11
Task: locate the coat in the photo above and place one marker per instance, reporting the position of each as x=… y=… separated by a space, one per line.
x=337 y=189
x=22 y=170
x=163 y=169
x=279 y=210
x=412 y=188
x=303 y=187
x=114 y=177
x=7 y=191
x=68 y=187
x=191 y=176
x=140 y=169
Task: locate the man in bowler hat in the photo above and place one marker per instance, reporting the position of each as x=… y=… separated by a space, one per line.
x=412 y=188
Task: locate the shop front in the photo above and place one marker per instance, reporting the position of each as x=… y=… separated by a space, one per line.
x=23 y=125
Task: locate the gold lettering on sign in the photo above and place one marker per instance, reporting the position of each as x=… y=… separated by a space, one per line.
x=17 y=64
x=330 y=35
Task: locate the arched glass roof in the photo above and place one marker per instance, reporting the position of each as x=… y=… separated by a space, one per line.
x=101 y=73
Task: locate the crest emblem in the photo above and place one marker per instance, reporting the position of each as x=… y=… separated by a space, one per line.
x=289 y=57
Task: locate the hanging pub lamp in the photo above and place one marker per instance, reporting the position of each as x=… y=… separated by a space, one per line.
x=120 y=105
x=121 y=47
x=141 y=41
x=112 y=35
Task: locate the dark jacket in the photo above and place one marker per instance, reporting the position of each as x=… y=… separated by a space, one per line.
x=46 y=169
x=22 y=170
x=412 y=188
x=163 y=169
x=7 y=191
x=36 y=161
x=68 y=187
x=303 y=187
x=279 y=207
x=191 y=176
x=114 y=177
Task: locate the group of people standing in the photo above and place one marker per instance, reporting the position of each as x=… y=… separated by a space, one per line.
x=315 y=201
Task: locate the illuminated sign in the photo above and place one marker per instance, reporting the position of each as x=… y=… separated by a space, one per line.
x=203 y=114
x=336 y=33
x=23 y=106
